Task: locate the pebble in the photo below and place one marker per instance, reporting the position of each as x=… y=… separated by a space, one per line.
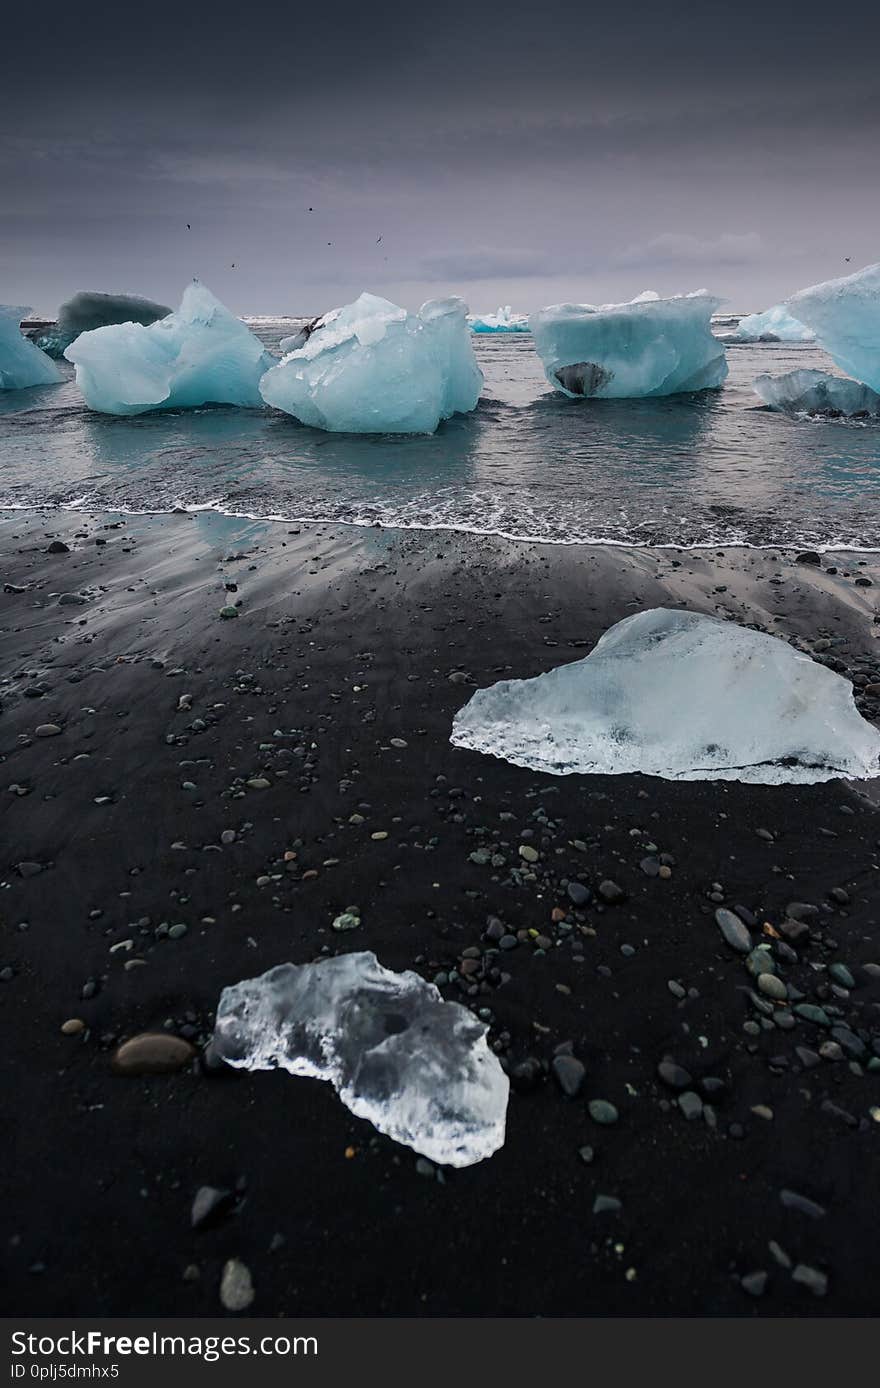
x=733 y=930
x=47 y=730
x=673 y=1075
x=570 y=1074
x=74 y=1026
x=606 y=1204
x=226 y=613
x=603 y=1112
x=578 y=894
x=209 y=1202
x=236 y=1286
x=792 y=1200
x=152 y=1053
x=611 y=893
x=810 y=1277
x=690 y=1104
x=772 y=987
x=754 y=1283
x=346 y=921
x=529 y=854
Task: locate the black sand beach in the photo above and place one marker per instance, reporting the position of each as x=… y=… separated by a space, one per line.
x=284 y=725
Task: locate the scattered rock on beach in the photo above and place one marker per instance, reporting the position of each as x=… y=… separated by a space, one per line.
x=152 y=1053
x=236 y=1286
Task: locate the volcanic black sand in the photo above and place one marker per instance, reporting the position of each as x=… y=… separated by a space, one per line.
x=347 y=643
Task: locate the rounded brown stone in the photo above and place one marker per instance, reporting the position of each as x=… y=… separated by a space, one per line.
x=73 y=1026
x=152 y=1053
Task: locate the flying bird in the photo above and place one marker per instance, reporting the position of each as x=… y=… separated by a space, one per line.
x=378 y=239
x=847 y=258
x=188 y=227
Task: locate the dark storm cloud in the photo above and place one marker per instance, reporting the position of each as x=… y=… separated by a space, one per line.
x=517 y=157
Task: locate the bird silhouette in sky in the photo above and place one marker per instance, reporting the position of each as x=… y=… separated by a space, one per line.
x=188 y=227
x=378 y=239
x=847 y=258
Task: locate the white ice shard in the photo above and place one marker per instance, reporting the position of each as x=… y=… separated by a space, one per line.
x=773 y=325
x=845 y=316
x=504 y=321
x=817 y=392
x=87 y=311
x=373 y=368
x=650 y=346
x=21 y=363
x=682 y=696
x=414 y=1066
x=199 y=355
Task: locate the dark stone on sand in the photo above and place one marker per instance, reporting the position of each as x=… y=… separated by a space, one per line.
x=152 y=1053
x=58 y=547
x=792 y=1200
x=673 y=1075
x=570 y=1074
x=808 y=556
x=578 y=894
x=210 y=1205
x=611 y=893
x=733 y=930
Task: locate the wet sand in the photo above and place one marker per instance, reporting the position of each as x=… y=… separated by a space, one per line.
x=347 y=639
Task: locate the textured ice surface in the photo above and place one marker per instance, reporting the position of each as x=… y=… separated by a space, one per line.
x=373 y=368
x=651 y=346
x=817 y=392
x=845 y=316
x=21 y=363
x=199 y=355
x=682 y=696
x=416 y=1067
x=773 y=325
x=504 y=321
x=87 y=311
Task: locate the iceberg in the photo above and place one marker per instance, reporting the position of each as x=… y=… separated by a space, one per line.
x=199 y=355
x=651 y=346
x=682 y=696
x=414 y=1066
x=817 y=392
x=87 y=311
x=22 y=364
x=504 y=321
x=773 y=325
x=373 y=368
x=845 y=316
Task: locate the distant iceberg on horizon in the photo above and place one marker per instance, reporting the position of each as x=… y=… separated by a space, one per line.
x=199 y=355
x=773 y=325
x=845 y=316
x=650 y=346
x=373 y=368
x=502 y=321
x=22 y=364
x=88 y=310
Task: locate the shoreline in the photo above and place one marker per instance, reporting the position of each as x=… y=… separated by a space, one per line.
x=348 y=637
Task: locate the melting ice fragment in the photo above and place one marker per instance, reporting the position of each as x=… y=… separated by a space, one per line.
x=373 y=368
x=773 y=325
x=682 y=696
x=87 y=311
x=21 y=363
x=845 y=316
x=651 y=346
x=201 y=354
x=504 y=321
x=416 y=1067
x=817 y=392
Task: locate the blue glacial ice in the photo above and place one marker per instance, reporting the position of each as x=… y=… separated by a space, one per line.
x=682 y=696
x=773 y=325
x=651 y=346
x=373 y=368
x=199 y=355
x=414 y=1066
x=504 y=321
x=845 y=316
x=87 y=311
x=817 y=392
x=21 y=363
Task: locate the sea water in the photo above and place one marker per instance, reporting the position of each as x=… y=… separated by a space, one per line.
x=708 y=469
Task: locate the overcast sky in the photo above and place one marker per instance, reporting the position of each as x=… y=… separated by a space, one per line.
x=574 y=152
